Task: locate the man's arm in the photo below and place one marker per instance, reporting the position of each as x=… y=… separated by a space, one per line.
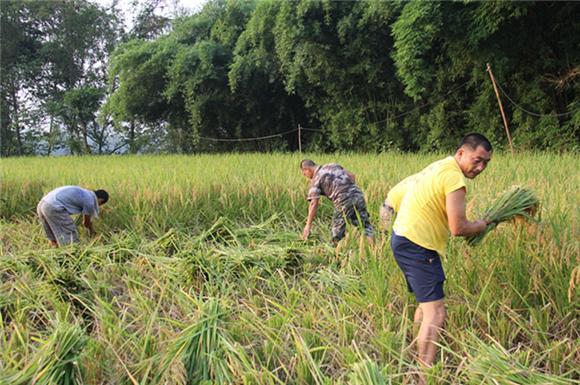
x=311 y=213
x=386 y=214
x=458 y=223
x=88 y=224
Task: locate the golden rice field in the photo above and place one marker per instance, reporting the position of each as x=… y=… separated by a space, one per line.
x=198 y=276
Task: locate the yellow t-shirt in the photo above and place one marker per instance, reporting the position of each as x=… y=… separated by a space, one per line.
x=422 y=217
x=396 y=194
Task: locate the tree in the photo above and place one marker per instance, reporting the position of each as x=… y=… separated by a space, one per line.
x=54 y=70
x=20 y=63
x=137 y=77
x=370 y=75
x=335 y=55
x=79 y=36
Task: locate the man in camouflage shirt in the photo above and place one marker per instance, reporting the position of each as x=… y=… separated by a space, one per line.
x=339 y=186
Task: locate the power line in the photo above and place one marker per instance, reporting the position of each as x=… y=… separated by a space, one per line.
x=247 y=139
x=530 y=112
x=310 y=129
x=423 y=105
x=383 y=120
x=402 y=113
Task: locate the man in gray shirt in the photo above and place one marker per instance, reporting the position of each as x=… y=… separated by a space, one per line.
x=338 y=184
x=56 y=207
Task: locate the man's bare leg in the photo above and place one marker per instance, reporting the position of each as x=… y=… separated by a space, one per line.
x=417 y=319
x=432 y=317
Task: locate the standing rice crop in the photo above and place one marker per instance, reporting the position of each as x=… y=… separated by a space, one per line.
x=199 y=276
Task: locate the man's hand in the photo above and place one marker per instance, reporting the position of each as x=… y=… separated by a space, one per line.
x=306 y=232
x=88 y=225
x=311 y=213
x=386 y=215
x=482 y=225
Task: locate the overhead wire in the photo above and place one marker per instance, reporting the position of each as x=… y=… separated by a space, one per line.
x=531 y=112
x=248 y=139
x=278 y=135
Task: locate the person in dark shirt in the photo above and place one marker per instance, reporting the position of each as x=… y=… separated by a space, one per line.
x=338 y=184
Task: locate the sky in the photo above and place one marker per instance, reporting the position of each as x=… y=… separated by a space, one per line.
x=172 y=6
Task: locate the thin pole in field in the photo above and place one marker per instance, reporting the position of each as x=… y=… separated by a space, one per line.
x=505 y=123
x=299 y=139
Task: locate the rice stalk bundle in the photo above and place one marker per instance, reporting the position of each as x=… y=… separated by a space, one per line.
x=204 y=358
x=56 y=362
x=202 y=349
x=66 y=346
x=366 y=372
x=518 y=201
x=492 y=363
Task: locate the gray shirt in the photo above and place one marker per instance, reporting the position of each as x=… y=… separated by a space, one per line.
x=73 y=199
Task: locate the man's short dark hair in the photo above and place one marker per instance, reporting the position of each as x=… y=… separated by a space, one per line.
x=475 y=140
x=102 y=194
x=307 y=163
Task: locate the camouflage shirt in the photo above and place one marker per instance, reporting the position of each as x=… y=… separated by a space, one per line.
x=332 y=181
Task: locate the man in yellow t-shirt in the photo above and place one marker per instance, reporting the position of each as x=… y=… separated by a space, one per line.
x=393 y=201
x=433 y=206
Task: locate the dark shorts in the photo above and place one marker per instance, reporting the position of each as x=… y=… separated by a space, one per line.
x=354 y=211
x=422 y=268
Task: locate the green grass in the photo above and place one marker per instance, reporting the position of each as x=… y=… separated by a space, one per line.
x=198 y=276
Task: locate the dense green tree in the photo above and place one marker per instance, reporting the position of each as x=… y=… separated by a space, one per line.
x=366 y=75
x=181 y=80
x=257 y=82
x=336 y=56
x=148 y=24
x=199 y=74
x=532 y=48
x=54 y=58
x=20 y=67
x=79 y=37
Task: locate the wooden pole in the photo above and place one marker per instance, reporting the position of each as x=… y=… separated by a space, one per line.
x=299 y=139
x=505 y=123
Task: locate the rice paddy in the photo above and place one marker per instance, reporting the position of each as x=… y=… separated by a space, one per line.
x=198 y=275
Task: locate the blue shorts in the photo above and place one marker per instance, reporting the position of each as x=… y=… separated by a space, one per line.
x=422 y=268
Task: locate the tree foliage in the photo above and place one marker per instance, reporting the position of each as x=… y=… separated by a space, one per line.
x=366 y=75
x=54 y=60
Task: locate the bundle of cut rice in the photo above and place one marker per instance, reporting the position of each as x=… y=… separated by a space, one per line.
x=516 y=202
